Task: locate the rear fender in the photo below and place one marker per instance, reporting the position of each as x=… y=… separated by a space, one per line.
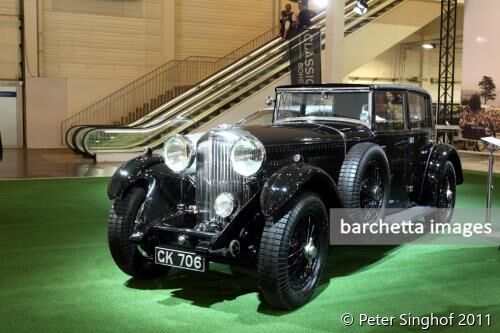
x=438 y=156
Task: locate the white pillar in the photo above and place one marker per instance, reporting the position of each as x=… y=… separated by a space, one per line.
x=334 y=52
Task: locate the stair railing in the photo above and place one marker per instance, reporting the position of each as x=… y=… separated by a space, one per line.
x=144 y=94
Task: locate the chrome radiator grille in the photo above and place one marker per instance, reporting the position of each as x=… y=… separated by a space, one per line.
x=215 y=175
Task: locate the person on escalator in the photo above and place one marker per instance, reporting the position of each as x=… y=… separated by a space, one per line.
x=285 y=25
x=291 y=16
x=305 y=16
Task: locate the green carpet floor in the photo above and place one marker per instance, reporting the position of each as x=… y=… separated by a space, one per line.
x=56 y=275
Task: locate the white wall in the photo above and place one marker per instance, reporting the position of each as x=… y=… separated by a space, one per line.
x=52 y=100
x=83 y=92
x=100 y=39
x=46 y=100
x=215 y=27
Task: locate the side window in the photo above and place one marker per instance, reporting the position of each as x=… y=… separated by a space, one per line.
x=389 y=110
x=419 y=111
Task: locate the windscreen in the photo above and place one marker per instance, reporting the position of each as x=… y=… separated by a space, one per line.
x=294 y=105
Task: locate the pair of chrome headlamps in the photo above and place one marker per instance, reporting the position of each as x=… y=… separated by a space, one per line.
x=247 y=154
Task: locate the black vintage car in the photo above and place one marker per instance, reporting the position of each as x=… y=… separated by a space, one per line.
x=259 y=194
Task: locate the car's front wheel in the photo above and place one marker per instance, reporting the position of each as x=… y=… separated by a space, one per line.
x=293 y=252
x=129 y=257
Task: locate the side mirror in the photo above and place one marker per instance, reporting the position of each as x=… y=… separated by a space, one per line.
x=270 y=100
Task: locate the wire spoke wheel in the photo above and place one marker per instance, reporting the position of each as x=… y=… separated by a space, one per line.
x=372 y=187
x=364 y=181
x=293 y=252
x=303 y=252
x=446 y=194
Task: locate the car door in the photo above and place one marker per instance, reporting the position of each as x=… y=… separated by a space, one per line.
x=420 y=123
x=392 y=133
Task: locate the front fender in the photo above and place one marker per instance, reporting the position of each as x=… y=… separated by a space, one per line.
x=131 y=172
x=288 y=181
x=438 y=156
x=164 y=189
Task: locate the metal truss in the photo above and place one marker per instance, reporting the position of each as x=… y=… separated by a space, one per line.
x=447 y=61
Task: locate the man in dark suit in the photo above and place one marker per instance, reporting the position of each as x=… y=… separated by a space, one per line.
x=305 y=15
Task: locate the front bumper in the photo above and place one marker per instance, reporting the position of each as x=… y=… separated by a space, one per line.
x=181 y=232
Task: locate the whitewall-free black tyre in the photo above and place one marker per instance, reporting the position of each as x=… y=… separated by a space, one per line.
x=121 y=222
x=293 y=252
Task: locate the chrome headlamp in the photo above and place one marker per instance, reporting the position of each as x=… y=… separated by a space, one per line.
x=247 y=156
x=178 y=153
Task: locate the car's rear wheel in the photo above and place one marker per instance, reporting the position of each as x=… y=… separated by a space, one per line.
x=129 y=257
x=446 y=194
x=293 y=252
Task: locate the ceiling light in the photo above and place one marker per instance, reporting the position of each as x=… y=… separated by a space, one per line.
x=481 y=39
x=429 y=46
x=361 y=7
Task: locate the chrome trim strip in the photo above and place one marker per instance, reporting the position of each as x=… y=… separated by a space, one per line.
x=325 y=88
x=332 y=119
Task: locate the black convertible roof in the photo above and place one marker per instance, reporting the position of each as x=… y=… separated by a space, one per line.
x=358 y=86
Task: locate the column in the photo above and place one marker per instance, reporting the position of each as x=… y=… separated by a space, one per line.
x=31 y=47
x=168 y=31
x=334 y=52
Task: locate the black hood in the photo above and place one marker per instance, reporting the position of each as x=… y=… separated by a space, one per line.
x=306 y=132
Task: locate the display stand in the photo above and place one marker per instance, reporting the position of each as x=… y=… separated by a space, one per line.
x=493 y=146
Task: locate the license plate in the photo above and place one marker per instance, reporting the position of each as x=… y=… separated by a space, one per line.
x=180 y=259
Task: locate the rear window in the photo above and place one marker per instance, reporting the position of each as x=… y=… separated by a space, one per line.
x=419 y=111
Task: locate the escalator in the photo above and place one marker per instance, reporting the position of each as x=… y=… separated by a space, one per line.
x=214 y=95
